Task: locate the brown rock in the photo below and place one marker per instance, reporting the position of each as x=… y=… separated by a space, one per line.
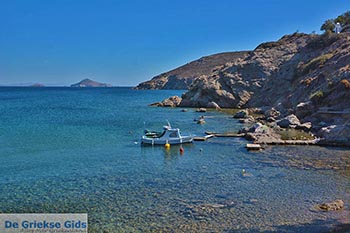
x=290 y=121
x=241 y=114
x=305 y=126
x=172 y=101
x=332 y=206
x=262 y=134
x=156 y=104
x=272 y=113
x=201 y=110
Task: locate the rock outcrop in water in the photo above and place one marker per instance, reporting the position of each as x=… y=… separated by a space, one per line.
x=332 y=206
x=172 y=101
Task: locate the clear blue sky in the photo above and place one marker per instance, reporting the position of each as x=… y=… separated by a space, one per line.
x=60 y=42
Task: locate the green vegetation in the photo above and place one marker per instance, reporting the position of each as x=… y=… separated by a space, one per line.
x=323 y=41
x=317 y=94
x=293 y=134
x=272 y=44
x=329 y=24
x=268 y=45
x=343 y=19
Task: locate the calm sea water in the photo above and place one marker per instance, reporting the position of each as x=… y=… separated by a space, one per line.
x=66 y=150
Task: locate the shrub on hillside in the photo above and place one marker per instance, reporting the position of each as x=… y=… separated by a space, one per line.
x=314 y=63
x=343 y=19
x=322 y=41
x=317 y=97
x=329 y=24
x=268 y=45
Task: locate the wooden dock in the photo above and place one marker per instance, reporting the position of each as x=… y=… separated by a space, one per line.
x=226 y=134
x=252 y=146
x=211 y=134
x=203 y=138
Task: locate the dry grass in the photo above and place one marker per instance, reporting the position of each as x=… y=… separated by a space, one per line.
x=346 y=83
x=315 y=63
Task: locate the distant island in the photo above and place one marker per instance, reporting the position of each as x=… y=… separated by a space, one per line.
x=37 y=85
x=90 y=83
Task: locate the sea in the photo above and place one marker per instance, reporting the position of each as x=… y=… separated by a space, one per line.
x=77 y=150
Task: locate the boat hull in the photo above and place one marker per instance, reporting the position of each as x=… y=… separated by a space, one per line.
x=162 y=141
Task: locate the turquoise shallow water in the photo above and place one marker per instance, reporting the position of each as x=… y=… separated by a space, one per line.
x=77 y=150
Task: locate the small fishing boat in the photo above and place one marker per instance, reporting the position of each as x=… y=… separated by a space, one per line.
x=168 y=136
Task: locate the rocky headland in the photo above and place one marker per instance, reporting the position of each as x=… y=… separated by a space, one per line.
x=300 y=81
x=182 y=78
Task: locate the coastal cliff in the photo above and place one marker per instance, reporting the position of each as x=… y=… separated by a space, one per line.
x=297 y=68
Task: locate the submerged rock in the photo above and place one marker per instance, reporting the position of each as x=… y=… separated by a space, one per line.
x=156 y=104
x=248 y=120
x=201 y=110
x=332 y=206
x=241 y=114
x=201 y=121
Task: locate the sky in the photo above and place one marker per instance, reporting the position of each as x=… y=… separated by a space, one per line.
x=125 y=42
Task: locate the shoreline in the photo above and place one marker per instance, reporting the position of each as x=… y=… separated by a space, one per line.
x=260 y=131
x=267 y=127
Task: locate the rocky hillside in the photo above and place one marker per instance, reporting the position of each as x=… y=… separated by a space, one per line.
x=304 y=77
x=182 y=78
x=302 y=74
x=298 y=67
x=90 y=83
